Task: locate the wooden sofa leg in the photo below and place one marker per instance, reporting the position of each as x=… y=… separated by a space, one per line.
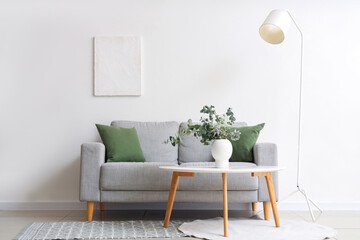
x=102 y=206
x=90 y=211
x=254 y=206
x=267 y=210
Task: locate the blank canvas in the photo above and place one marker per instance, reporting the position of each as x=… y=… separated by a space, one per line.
x=117 y=66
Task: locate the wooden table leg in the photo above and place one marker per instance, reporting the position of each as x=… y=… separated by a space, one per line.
x=225 y=204
x=174 y=183
x=270 y=185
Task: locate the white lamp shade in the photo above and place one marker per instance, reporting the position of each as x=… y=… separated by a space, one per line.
x=275 y=26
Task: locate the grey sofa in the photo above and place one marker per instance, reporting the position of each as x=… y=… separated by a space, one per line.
x=145 y=182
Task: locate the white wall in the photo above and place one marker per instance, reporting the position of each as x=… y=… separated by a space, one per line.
x=195 y=52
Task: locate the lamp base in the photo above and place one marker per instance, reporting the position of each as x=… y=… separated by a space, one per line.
x=308 y=201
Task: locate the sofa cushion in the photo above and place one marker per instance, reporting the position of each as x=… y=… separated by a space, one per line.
x=213 y=181
x=151 y=136
x=122 y=144
x=243 y=148
x=192 y=150
x=134 y=176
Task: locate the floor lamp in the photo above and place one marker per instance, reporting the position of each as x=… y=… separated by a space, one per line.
x=273 y=31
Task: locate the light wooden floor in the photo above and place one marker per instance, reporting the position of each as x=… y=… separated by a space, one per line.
x=11 y=222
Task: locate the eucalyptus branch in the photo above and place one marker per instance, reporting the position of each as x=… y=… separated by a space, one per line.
x=212 y=127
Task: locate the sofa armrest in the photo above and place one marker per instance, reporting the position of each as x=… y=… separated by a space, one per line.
x=92 y=156
x=265 y=154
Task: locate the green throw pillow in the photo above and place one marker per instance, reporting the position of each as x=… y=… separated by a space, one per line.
x=243 y=148
x=122 y=144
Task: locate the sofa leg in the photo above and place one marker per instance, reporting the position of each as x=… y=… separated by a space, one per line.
x=90 y=211
x=267 y=210
x=254 y=206
x=102 y=206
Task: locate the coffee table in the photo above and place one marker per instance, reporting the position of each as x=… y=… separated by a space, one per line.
x=256 y=171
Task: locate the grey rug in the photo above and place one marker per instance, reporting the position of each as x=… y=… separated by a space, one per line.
x=100 y=230
x=256 y=228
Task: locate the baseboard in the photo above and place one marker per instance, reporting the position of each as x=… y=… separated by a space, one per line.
x=116 y=206
x=282 y=206
x=42 y=206
x=302 y=206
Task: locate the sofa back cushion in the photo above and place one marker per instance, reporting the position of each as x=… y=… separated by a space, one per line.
x=192 y=150
x=151 y=136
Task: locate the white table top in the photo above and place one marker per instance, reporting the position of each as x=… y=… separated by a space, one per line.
x=232 y=169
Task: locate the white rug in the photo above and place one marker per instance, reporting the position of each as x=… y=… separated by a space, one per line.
x=256 y=229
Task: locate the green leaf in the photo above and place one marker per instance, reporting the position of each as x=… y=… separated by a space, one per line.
x=212 y=126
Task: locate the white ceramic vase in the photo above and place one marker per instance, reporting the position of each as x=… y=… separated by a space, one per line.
x=221 y=150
